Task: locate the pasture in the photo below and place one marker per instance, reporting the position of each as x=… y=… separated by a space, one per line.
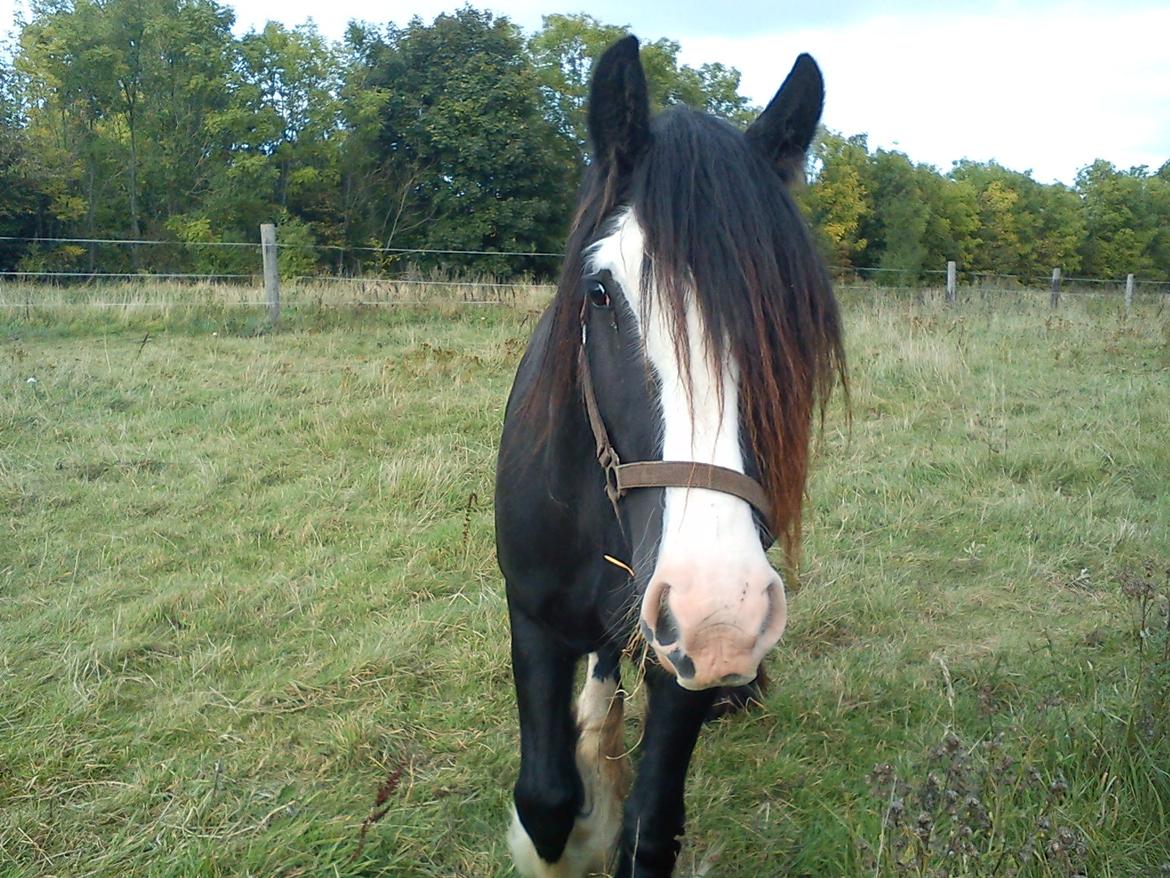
x=247 y=584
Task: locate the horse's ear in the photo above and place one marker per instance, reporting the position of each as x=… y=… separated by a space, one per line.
x=619 y=109
x=785 y=130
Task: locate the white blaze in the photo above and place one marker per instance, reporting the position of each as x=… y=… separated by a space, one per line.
x=700 y=526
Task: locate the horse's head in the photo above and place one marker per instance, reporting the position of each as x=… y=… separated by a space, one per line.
x=711 y=334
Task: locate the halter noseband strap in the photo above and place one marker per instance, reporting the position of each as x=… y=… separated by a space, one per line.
x=623 y=477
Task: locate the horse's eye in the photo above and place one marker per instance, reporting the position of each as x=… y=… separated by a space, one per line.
x=598 y=294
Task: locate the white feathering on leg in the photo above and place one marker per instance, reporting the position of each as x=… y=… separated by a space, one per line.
x=604 y=776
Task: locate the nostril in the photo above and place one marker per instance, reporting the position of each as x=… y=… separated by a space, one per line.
x=666 y=628
x=647 y=631
x=770 y=615
x=682 y=663
x=769 y=593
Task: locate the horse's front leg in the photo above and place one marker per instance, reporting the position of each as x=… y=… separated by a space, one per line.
x=568 y=794
x=654 y=815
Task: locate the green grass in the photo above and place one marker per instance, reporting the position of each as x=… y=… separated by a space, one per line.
x=247 y=576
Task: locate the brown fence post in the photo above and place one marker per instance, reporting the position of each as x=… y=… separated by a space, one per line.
x=271 y=272
x=1055 y=300
x=952 y=291
x=1128 y=293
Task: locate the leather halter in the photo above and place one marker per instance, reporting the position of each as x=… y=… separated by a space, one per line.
x=620 y=478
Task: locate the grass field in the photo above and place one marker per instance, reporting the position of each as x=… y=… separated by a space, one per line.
x=247 y=581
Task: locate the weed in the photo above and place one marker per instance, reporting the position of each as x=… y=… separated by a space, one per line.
x=975 y=810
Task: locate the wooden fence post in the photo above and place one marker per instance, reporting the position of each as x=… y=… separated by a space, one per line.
x=271 y=272
x=952 y=291
x=1128 y=293
x=1055 y=287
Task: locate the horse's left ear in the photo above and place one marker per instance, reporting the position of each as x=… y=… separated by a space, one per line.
x=785 y=130
x=619 y=108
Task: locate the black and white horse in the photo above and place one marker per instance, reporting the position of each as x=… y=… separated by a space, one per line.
x=693 y=323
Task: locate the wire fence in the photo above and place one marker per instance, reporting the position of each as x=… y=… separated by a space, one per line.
x=72 y=260
x=64 y=272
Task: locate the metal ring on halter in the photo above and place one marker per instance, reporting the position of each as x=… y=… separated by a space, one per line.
x=610 y=464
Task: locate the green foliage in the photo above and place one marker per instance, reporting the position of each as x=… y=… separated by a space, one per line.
x=119 y=95
x=895 y=229
x=286 y=87
x=881 y=210
x=1022 y=227
x=475 y=164
x=839 y=199
x=563 y=52
x=1125 y=216
x=23 y=196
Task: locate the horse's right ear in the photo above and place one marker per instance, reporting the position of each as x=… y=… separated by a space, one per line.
x=785 y=130
x=619 y=108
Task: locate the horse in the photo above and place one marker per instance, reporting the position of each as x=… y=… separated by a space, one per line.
x=655 y=444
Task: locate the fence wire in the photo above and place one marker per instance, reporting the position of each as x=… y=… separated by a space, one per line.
x=295 y=245
x=374 y=288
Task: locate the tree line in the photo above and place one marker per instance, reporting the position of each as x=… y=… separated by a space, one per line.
x=150 y=119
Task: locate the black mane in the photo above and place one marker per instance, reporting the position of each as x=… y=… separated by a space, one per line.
x=719 y=223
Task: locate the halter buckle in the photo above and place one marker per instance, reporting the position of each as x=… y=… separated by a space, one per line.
x=609 y=460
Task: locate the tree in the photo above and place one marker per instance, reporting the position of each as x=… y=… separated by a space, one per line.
x=883 y=211
x=191 y=55
x=23 y=201
x=952 y=219
x=1126 y=215
x=478 y=165
x=1055 y=231
x=289 y=78
x=563 y=52
x=70 y=79
x=280 y=137
x=896 y=227
x=122 y=93
x=1024 y=228
x=148 y=118
x=837 y=199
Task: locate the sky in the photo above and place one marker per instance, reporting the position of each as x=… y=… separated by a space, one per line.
x=1046 y=86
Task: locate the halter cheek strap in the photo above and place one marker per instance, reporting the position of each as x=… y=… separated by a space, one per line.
x=620 y=478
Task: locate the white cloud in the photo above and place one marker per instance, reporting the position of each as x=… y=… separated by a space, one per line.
x=1048 y=91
